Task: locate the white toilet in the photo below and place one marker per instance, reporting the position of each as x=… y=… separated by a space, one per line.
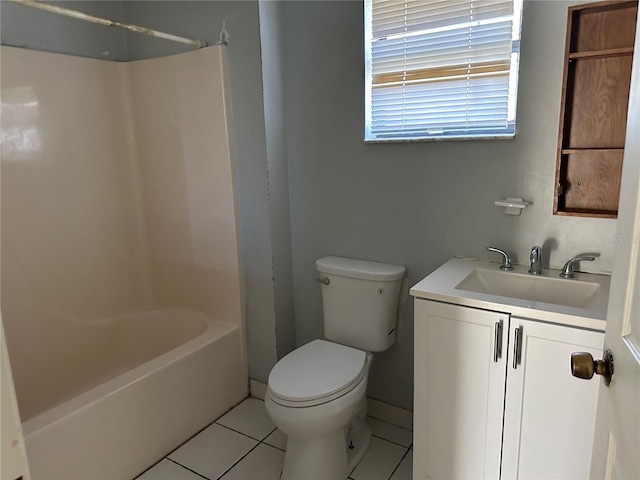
x=317 y=394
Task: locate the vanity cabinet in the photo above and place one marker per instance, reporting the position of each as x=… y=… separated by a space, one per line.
x=494 y=396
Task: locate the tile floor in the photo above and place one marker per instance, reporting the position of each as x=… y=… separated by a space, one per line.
x=244 y=444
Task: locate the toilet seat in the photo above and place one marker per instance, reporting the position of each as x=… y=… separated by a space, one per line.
x=316 y=373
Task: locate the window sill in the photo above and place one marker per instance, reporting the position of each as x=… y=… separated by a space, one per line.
x=510 y=136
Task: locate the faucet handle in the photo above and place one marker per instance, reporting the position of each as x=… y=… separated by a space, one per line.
x=567 y=270
x=506 y=260
x=586 y=258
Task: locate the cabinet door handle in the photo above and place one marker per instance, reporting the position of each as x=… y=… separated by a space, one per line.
x=497 y=341
x=517 y=347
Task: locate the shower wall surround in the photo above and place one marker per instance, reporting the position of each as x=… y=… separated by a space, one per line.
x=117 y=194
x=264 y=269
x=182 y=147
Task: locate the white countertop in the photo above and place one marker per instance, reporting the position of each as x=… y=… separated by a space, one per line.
x=440 y=286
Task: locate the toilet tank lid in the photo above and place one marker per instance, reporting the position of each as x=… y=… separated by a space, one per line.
x=363 y=269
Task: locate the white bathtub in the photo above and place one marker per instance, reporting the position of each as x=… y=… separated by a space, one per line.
x=171 y=372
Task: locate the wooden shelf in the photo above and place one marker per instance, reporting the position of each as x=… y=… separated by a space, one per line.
x=610 y=52
x=588 y=213
x=593 y=110
x=571 y=151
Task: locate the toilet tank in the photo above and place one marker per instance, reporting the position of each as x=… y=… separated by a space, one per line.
x=360 y=302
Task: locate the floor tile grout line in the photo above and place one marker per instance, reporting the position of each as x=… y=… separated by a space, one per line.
x=273 y=446
x=389 y=423
x=188 y=440
x=391 y=441
x=187 y=468
x=395 y=468
x=146 y=469
x=239 y=460
x=267 y=435
x=246 y=434
x=262 y=441
x=176 y=448
x=199 y=432
x=398 y=465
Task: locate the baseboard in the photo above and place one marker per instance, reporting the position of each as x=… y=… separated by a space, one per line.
x=390 y=413
x=375 y=408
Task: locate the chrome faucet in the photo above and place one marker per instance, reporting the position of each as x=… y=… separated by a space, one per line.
x=536 y=261
x=567 y=270
x=506 y=260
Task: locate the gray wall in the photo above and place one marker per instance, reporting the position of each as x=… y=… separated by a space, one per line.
x=415 y=204
x=278 y=172
x=22 y=26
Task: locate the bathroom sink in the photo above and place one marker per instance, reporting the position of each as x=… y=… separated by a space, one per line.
x=570 y=293
x=578 y=302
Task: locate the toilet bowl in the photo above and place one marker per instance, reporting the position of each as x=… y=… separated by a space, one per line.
x=316 y=396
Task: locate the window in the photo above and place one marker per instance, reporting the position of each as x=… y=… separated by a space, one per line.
x=440 y=69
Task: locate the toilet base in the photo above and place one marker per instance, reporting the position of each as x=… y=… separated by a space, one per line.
x=358 y=441
x=330 y=457
x=321 y=458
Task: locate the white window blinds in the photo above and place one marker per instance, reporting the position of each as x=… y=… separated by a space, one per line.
x=441 y=68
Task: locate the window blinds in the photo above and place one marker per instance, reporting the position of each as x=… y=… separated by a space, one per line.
x=441 y=68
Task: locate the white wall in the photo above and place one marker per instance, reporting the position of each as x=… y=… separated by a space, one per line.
x=415 y=204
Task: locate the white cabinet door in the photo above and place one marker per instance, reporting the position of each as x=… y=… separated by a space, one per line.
x=549 y=414
x=459 y=391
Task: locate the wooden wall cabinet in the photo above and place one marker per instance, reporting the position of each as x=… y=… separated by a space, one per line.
x=593 y=112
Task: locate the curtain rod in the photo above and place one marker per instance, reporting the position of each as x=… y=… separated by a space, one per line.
x=109 y=23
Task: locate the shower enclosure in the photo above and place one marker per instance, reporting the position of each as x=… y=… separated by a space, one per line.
x=121 y=282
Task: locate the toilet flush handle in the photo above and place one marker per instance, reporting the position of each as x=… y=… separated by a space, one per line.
x=324 y=281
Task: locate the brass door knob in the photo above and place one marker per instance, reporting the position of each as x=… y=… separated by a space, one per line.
x=584 y=366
